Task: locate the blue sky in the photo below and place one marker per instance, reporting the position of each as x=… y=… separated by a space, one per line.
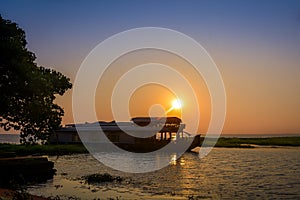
x=56 y=27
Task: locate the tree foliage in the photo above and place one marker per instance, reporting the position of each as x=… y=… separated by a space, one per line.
x=27 y=90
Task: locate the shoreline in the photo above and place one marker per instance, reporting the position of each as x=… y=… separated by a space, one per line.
x=11 y=150
x=132 y=190
x=258 y=142
x=13 y=194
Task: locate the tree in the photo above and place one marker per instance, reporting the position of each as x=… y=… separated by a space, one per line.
x=27 y=90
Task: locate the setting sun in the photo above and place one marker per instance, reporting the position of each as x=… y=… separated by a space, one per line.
x=176 y=104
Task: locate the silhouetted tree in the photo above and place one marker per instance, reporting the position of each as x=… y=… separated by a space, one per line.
x=27 y=90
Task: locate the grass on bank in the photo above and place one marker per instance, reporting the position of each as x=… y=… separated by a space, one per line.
x=52 y=149
x=65 y=149
x=247 y=142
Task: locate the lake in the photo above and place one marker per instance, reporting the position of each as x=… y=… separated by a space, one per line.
x=226 y=173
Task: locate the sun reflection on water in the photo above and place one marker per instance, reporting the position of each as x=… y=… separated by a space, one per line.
x=174 y=160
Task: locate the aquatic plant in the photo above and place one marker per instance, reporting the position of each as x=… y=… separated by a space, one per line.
x=101 y=178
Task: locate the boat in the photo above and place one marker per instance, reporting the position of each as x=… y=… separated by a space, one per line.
x=140 y=134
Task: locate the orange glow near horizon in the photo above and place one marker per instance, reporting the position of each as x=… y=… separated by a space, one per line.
x=153 y=100
x=255 y=103
x=145 y=100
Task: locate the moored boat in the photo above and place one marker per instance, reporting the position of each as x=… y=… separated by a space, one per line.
x=141 y=134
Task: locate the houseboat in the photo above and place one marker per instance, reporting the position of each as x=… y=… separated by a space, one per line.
x=145 y=134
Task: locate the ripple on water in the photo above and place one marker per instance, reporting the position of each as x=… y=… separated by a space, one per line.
x=266 y=173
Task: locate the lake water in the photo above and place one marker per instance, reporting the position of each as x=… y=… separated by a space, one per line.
x=226 y=173
x=259 y=173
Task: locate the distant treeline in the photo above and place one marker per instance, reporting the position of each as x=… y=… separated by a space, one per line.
x=251 y=142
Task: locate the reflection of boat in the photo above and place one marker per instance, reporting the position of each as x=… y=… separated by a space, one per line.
x=141 y=134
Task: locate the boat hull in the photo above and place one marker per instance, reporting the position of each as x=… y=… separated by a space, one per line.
x=141 y=135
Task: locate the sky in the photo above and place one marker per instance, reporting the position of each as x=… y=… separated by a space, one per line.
x=255 y=44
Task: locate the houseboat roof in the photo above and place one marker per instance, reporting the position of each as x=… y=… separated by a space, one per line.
x=135 y=120
x=166 y=120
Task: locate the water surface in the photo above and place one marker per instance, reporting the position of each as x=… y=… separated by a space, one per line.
x=259 y=173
